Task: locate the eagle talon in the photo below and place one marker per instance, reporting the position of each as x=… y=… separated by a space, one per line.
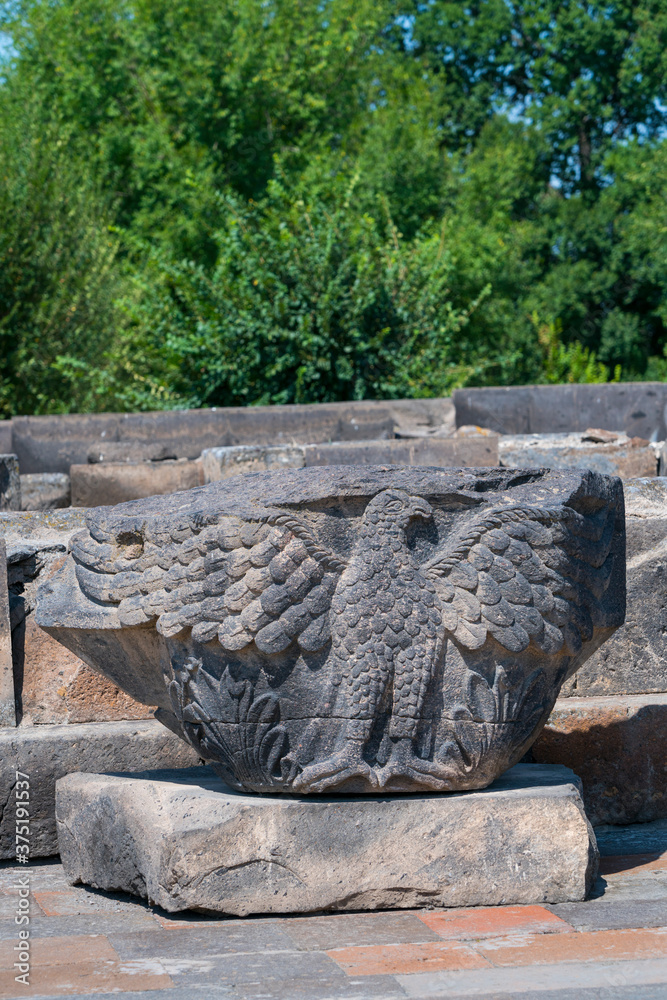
x=404 y=763
x=333 y=771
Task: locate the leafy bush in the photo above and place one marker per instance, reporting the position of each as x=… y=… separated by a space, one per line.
x=309 y=300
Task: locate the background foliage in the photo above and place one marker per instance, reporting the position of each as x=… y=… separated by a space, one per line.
x=210 y=202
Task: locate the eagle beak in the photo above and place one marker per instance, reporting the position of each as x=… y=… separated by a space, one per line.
x=420 y=508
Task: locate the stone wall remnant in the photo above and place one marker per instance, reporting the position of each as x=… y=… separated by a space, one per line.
x=637 y=408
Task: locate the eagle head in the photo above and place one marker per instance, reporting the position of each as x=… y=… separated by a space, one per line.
x=396 y=508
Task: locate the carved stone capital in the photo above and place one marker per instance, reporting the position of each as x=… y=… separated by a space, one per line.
x=375 y=629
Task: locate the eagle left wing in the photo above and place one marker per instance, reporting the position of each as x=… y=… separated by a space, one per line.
x=523 y=574
x=266 y=582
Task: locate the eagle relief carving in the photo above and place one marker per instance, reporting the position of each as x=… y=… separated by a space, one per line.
x=351 y=630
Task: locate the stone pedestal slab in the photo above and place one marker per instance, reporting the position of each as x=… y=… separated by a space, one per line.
x=186 y=840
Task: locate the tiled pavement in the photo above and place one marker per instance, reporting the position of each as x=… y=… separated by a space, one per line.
x=86 y=943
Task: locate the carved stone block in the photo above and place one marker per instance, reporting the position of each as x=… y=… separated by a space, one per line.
x=345 y=629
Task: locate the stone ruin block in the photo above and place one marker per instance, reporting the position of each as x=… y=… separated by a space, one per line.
x=186 y=840
x=112 y=483
x=634 y=661
x=637 y=408
x=221 y=463
x=45 y=491
x=617 y=745
x=10 y=483
x=610 y=452
x=476 y=451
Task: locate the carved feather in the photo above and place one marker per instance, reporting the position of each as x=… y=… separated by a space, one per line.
x=266 y=582
x=523 y=575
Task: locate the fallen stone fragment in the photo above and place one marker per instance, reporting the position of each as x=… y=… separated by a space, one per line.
x=618 y=747
x=45 y=491
x=614 y=454
x=112 y=483
x=10 y=483
x=187 y=841
x=46 y=753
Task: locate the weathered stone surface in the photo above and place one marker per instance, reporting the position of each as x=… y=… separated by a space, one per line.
x=58 y=687
x=201 y=845
x=7 y=706
x=52 y=684
x=10 y=483
x=6 y=437
x=419 y=449
x=449 y=452
x=118 y=482
x=49 y=752
x=638 y=408
x=618 y=747
x=221 y=463
x=609 y=452
x=334 y=629
x=634 y=660
x=45 y=491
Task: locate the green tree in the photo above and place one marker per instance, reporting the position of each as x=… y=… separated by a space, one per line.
x=587 y=74
x=58 y=275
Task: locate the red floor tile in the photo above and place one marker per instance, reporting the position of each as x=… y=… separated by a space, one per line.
x=579 y=946
x=493 y=921
x=404 y=959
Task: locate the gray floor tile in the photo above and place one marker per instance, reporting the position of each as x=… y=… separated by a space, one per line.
x=541 y=980
x=185 y=993
x=651 y=884
x=94 y=923
x=647 y=992
x=365 y=988
x=201 y=942
x=607 y=914
x=348 y=929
